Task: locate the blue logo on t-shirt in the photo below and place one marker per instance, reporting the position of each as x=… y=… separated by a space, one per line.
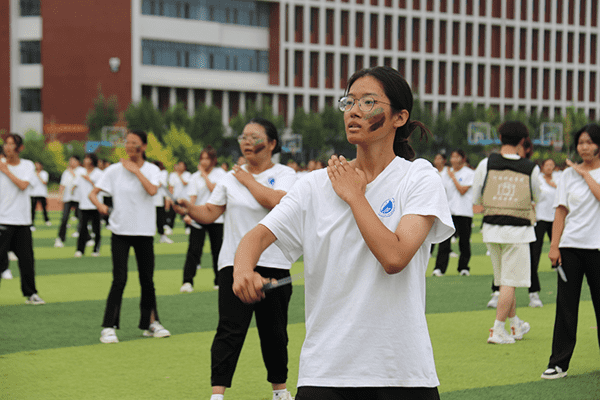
x=271 y=181
x=387 y=208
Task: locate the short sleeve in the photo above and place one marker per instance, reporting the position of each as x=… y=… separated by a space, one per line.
x=218 y=196
x=106 y=180
x=28 y=173
x=63 y=178
x=469 y=177
x=44 y=175
x=560 y=199
x=286 y=179
x=153 y=174
x=478 y=180
x=192 y=187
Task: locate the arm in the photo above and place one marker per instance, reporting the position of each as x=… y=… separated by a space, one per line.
x=211 y=186
x=266 y=197
x=557 y=229
x=247 y=284
x=135 y=169
x=204 y=214
x=461 y=188
x=21 y=184
x=93 y=196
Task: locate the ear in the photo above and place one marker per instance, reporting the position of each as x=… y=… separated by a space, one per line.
x=401 y=118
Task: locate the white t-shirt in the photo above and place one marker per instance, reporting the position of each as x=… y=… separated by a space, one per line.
x=159 y=197
x=460 y=205
x=179 y=189
x=39 y=184
x=544 y=208
x=197 y=187
x=134 y=213
x=84 y=188
x=15 y=204
x=363 y=326
x=581 y=223
x=505 y=233
x=67 y=180
x=244 y=212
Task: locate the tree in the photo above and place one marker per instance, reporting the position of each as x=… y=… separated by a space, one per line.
x=334 y=132
x=178 y=116
x=207 y=127
x=144 y=117
x=182 y=147
x=103 y=113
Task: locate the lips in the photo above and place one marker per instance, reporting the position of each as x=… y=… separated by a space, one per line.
x=353 y=125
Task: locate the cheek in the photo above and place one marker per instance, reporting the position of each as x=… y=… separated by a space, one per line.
x=377 y=123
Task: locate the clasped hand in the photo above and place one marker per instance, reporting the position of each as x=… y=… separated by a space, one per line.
x=348 y=182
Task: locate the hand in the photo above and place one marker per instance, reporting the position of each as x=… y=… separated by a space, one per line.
x=348 y=182
x=130 y=165
x=181 y=207
x=554 y=256
x=576 y=167
x=168 y=204
x=3 y=167
x=248 y=286
x=450 y=173
x=245 y=178
x=103 y=209
x=187 y=219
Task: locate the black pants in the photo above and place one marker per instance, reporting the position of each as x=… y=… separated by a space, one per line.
x=463 y=231
x=576 y=263
x=234 y=320
x=67 y=206
x=367 y=393
x=34 y=202
x=144 y=255
x=108 y=200
x=161 y=220
x=195 y=247
x=18 y=239
x=170 y=217
x=94 y=217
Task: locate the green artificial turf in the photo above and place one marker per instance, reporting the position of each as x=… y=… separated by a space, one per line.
x=52 y=351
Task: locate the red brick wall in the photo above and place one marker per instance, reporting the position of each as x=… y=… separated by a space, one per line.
x=75 y=56
x=5 y=65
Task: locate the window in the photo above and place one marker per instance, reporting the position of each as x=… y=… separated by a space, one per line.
x=30 y=8
x=187 y=59
x=30 y=52
x=31 y=100
x=211 y=13
x=227 y=15
x=186 y=11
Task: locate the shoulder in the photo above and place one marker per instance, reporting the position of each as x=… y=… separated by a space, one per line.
x=281 y=169
x=148 y=166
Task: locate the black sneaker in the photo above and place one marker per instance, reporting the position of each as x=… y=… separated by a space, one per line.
x=554 y=373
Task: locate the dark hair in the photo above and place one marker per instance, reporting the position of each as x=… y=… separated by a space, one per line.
x=75 y=156
x=398 y=92
x=141 y=134
x=461 y=153
x=512 y=132
x=528 y=147
x=270 y=130
x=159 y=165
x=546 y=160
x=211 y=153
x=17 y=139
x=442 y=155
x=184 y=164
x=93 y=158
x=591 y=129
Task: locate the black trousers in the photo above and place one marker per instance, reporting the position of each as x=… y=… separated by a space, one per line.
x=463 y=231
x=195 y=247
x=67 y=206
x=18 y=239
x=108 y=200
x=367 y=393
x=144 y=255
x=576 y=263
x=92 y=216
x=34 y=202
x=161 y=220
x=234 y=320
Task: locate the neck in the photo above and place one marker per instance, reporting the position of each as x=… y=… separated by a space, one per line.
x=458 y=167
x=591 y=164
x=138 y=160
x=372 y=160
x=508 y=149
x=258 y=166
x=13 y=159
x=90 y=169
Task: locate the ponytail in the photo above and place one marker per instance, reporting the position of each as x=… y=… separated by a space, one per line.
x=401 y=146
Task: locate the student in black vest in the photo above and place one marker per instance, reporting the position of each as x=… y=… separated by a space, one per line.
x=506 y=184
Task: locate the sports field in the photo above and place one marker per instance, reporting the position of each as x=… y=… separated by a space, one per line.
x=53 y=352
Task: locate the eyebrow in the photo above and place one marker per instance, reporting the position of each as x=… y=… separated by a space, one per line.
x=366 y=94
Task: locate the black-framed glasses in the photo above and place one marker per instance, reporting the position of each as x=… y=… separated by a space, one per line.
x=365 y=104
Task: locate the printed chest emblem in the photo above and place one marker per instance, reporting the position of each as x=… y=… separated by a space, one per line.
x=387 y=208
x=271 y=181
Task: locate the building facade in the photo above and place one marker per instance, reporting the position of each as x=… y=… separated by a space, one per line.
x=532 y=55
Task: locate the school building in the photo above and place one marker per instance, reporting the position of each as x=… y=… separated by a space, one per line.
x=534 y=55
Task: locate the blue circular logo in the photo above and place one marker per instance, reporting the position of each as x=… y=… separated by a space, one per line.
x=271 y=181
x=387 y=208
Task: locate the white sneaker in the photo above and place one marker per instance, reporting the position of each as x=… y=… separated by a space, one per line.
x=500 y=336
x=108 y=335
x=453 y=239
x=7 y=274
x=517 y=331
x=48 y=223
x=90 y=243
x=453 y=254
x=78 y=254
x=286 y=396
x=96 y=254
x=165 y=239
x=32 y=228
x=75 y=235
x=493 y=303
x=186 y=288
x=465 y=272
x=12 y=256
x=534 y=300
x=168 y=230
x=554 y=373
x=487 y=253
x=188 y=231
x=157 y=330
x=58 y=243
x=437 y=272
x=35 y=300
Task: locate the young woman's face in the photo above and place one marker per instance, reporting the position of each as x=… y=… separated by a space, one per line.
x=87 y=163
x=205 y=162
x=10 y=147
x=456 y=160
x=548 y=167
x=134 y=146
x=255 y=143
x=439 y=161
x=586 y=148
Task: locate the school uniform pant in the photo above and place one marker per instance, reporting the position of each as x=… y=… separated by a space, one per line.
x=143 y=247
x=67 y=206
x=463 y=231
x=161 y=219
x=234 y=319
x=87 y=216
x=17 y=238
x=576 y=264
x=34 y=202
x=195 y=247
x=370 y=393
x=108 y=200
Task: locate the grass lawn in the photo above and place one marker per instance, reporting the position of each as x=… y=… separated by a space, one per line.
x=53 y=351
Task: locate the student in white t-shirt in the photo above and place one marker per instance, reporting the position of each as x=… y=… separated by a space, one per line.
x=69 y=197
x=131 y=182
x=457 y=181
x=248 y=193
x=16 y=175
x=159 y=202
x=365 y=228
x=39 y=193
x=202 y=184
x=178 y=182
x=575 y=243
x=89 y=213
